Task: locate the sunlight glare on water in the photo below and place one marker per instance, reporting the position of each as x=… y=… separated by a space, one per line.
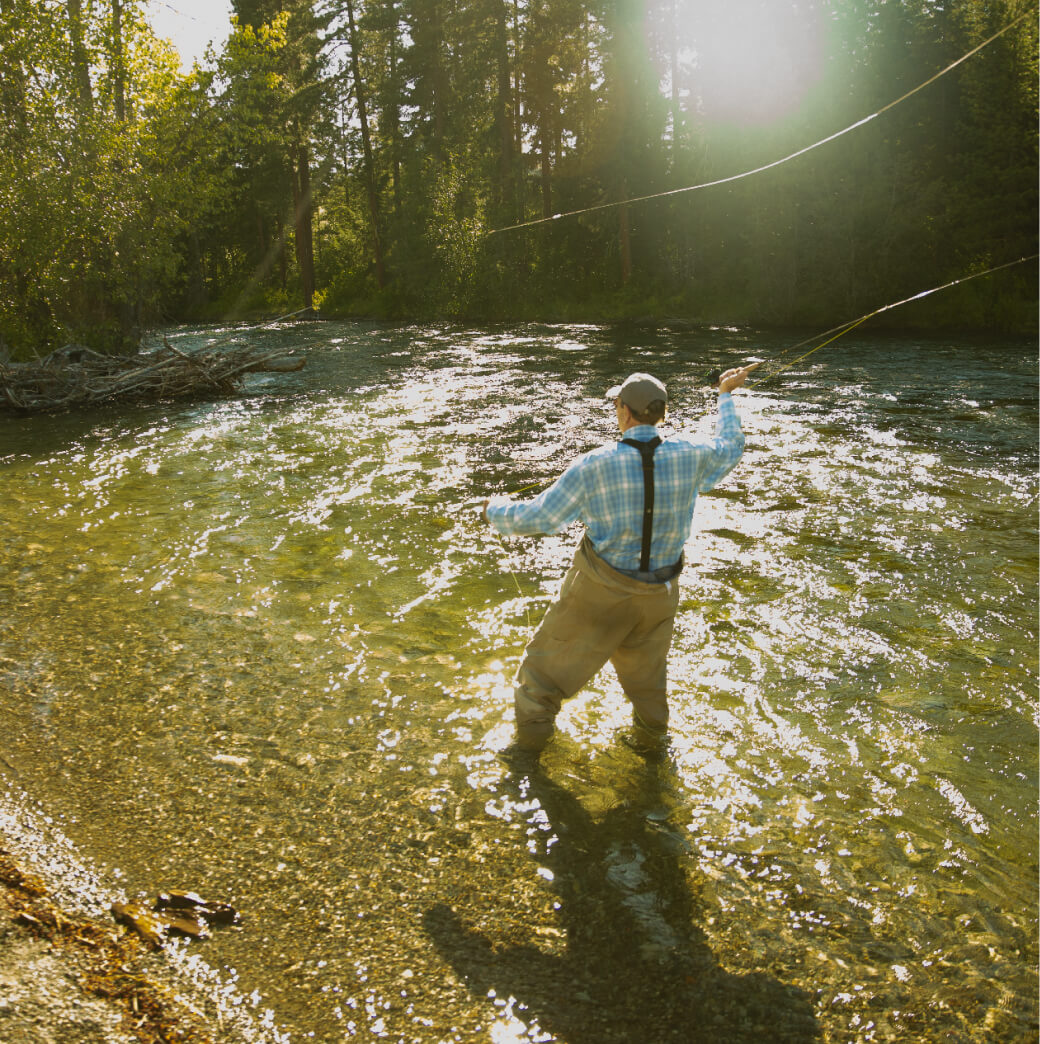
x=264 y=648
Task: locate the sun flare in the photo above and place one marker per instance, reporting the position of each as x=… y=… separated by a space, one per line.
x=751 y=62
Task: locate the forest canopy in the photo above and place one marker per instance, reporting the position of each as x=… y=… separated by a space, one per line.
x=372 y=157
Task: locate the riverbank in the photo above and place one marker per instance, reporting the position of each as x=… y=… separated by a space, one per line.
x=68 y=978
x=69 y=974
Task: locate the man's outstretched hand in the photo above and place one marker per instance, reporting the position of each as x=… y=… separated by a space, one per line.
x=733 y=379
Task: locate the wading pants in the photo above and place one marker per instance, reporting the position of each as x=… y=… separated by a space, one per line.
x=600 y=615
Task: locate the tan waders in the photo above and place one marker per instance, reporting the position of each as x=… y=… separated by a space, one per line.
x=601 y=614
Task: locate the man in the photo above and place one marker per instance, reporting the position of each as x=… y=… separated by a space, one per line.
x=619 y=598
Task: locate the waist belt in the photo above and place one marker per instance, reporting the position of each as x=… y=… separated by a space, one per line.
x=646 y=451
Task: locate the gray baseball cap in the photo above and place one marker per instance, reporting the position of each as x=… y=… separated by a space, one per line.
x=638 y=391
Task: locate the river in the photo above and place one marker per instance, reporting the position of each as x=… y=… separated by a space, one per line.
x=261 y=647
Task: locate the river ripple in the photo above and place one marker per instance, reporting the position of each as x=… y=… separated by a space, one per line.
x=262 y=648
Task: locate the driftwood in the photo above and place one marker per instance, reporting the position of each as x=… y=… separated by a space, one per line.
x=76 y=376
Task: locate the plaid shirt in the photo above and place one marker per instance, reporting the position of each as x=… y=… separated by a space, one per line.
x=604 y=490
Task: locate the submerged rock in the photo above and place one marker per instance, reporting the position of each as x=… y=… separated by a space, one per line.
x=209 y=910
x=151 y=927
x=184 y=913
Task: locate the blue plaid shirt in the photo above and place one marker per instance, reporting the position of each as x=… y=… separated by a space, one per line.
x=604 y=490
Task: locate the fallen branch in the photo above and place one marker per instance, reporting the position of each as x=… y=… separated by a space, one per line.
x=75 y=376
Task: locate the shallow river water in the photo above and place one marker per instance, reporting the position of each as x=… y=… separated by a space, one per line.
x=262 y=648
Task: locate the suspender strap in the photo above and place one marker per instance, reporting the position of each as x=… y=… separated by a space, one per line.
x=646 y=451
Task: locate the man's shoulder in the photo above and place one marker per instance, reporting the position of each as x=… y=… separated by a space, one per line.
x=593 y=461
x=598 y=453
x=681 y=441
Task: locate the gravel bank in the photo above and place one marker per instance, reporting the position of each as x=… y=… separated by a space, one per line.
x=69 y=974
x=70 y=979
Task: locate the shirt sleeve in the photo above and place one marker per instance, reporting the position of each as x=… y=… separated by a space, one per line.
x=726 y=447
x=549 y=512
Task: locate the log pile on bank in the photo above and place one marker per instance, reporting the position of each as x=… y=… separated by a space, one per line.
x=74 y=376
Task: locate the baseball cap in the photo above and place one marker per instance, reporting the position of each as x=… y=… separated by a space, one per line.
x=638 y=391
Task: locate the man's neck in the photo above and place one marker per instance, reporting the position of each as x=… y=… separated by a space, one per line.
x=625 y=428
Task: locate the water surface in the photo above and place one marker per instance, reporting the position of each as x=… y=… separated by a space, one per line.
x=262 y=647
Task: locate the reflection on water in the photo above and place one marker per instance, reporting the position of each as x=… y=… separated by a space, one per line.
x=263 y=648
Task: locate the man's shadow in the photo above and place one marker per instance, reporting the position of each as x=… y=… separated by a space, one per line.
x=636 y=967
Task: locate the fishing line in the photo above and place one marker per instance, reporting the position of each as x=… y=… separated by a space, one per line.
x=774 y=163
x=841 y=332
x=516 y=581
x=260 y=326
x=501 y=544
x=844 y=328
x=176 y=10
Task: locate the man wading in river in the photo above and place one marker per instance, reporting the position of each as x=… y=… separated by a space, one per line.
x=618 y=600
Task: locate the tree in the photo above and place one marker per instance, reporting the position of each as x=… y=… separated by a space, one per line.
x=271 y=72
x=357 y=153
x=81 y=256
x=371 y=188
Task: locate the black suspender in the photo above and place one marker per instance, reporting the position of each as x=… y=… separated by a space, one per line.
x=646 y=451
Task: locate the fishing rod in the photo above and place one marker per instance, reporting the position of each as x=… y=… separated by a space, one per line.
x=843 y=328
x=712 y=377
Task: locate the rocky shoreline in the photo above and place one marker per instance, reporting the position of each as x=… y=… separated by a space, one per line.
x=70 y=974
x=67 y=978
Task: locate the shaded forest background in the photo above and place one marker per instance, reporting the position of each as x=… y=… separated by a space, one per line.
x=352 y=155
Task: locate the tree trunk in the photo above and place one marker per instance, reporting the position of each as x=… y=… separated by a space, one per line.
x=118 y=61
x=673 y=66
x=504 y=194
x=303 y=207
x=625 y=246
x=81 y=63
x=582 y=130
x=520 y=179
x=394 y=114
x=12 y=90
x=439 y=80
x=283 y=266
x=366 y=142
x=545 y=144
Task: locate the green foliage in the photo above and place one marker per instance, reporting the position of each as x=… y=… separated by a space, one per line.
x=456 y=235
x=359 y=153
x=89 y=214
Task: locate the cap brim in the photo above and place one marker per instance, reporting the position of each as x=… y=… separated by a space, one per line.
x=613 y=393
